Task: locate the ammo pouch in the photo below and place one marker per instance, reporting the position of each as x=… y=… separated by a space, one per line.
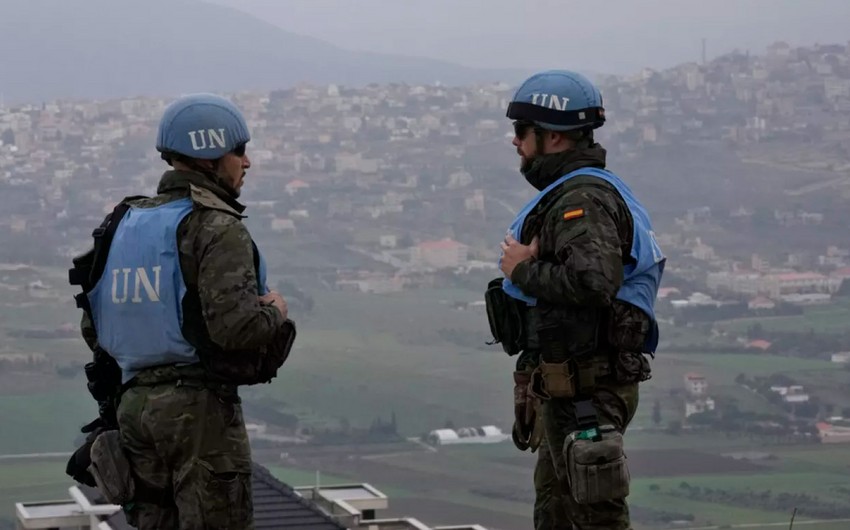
x=504 y=315
x=113 y=474
x=553 y=380
x=251 y=367
x=111 y=470
x=596 y=468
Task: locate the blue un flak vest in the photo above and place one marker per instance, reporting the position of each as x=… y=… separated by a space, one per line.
x=137 y=304
x=641 y=277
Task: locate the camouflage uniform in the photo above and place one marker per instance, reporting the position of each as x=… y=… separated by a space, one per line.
x=182 y=427
x=575 y=278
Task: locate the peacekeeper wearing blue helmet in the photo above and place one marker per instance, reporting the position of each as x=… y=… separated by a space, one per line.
x=576 y=305
x=178 y=314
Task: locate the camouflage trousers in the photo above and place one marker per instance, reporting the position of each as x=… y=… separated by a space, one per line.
x=193 y=440
x=554 y=506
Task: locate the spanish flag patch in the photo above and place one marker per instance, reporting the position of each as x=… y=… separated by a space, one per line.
x=573 y=214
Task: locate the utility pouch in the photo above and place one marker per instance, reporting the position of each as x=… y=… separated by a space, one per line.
x=632 y=367
x=110 y=469
x=553 y=380
x=504 y=315
x=255 y=366
x=597 y=470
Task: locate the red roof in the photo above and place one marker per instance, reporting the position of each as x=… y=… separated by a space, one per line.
x=843 y=272
x=440 y=245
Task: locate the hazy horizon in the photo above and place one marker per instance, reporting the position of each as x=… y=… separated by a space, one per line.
x=660 y=33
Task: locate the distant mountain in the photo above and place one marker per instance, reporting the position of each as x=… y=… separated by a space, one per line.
x=115 y=48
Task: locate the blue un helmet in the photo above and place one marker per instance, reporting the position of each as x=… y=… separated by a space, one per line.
x=202 y=126
x=558 y=100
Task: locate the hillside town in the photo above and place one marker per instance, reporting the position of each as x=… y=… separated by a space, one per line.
x=362 y=164
x=403 y=180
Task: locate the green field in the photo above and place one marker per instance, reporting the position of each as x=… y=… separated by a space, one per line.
x=31 y=481
x=831 y=318
x=359 y=357
x=45 y=422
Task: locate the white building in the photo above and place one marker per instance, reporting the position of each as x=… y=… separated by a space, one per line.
x=698 y=406
x=842 y=357
x=695 y=384
x=442 y=254
x=467 y=435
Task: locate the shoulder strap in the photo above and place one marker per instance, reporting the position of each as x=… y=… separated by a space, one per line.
x=89 y=268
x=256 y=253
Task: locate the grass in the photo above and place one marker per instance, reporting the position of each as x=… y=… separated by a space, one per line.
x=704 y=512
x=831 y=318
x=299 y=477
x=354 y=362
x=816 y=484
x=46 y=422
x=831 y=457
x=361 y=356
x=726 y=367
x=31 y=481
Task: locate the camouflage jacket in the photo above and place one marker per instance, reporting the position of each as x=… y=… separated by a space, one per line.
x=221 y=309
x=585 y=234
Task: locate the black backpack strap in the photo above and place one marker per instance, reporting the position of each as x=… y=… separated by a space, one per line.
x=89 y=267
x=256 y=252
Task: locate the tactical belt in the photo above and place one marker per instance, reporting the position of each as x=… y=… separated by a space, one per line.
x=590 y=372
x=189 y=382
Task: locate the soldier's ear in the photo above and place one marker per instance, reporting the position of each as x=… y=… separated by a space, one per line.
x=560 y=140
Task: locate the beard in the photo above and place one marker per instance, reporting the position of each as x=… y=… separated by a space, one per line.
x=525 y=162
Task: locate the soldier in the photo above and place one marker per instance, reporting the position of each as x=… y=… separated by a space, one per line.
x=178 y=314
x=582 y=269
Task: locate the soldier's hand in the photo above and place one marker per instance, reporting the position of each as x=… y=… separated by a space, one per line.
x=274 y=298
x=515 y=253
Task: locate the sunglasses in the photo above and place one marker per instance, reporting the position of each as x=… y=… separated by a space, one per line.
x=239 y=150
x=521 y=128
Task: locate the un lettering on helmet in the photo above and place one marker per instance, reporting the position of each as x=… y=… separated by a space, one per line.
x=553 y=101
x=558 y=100
x=217 y=139
x=204 y=126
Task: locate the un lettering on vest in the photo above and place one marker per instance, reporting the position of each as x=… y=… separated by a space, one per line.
x=553 y=101
x=208 y=139
x=141 y=279
x=657 y=254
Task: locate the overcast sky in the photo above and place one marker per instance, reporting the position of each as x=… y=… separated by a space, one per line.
x=611 y=36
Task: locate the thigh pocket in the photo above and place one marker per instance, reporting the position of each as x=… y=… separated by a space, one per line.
x=223 y=495
x=597 y=470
